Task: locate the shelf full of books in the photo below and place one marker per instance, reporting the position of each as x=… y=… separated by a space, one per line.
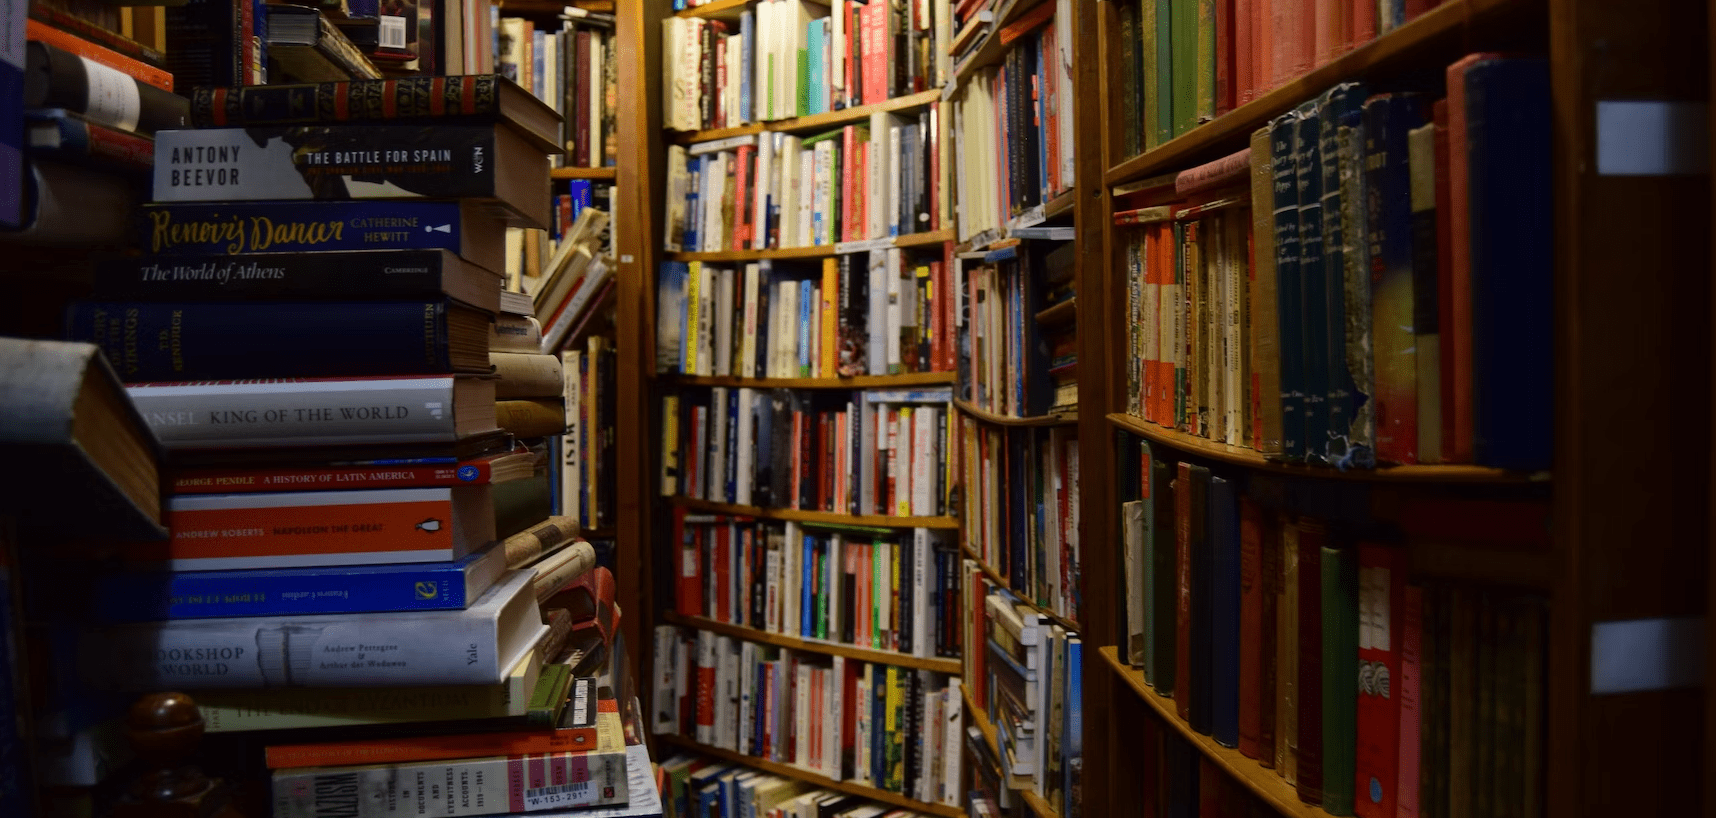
x=707 y=781
x=571 y=64
x=1367 y=284
x=1279 y=618
x=876 y=730
x=1016 y=330
x=1020 y=516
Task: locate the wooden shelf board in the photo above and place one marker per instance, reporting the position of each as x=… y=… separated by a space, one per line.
x=989 y=51
x=827 y=517
x=1060 y=313
x=1038 y=806
x=718 y=8
x=583 y=173
x=1443 y=27
x=1060 y=204
x=885 y=657
x=813 y=251
x=996 y=577
x=1239 y=456
x=555 y=6
x=1057 y=419
x=854 y=382
x=814 y=122
x=1263 y=782
x=820 y=780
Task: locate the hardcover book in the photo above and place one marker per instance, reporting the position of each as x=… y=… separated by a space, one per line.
x=492 y=163
x=54 y=78
x=402 y=473
x=230 y=228
x=72 y=137
x=366 y=274
x=12 y=62
x=475 y=646
x=151 y=596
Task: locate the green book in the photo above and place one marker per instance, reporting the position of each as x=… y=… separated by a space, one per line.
x=1206 y=67
x=1161 y=22
x=1184 y=22
x=1340 y=678
x=1147 y=70
x=549 y=696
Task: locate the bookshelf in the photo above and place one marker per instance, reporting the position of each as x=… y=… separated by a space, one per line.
x=885 y=657
x=933 y=237
x=794 y=771
x=814 y=122
x=853 y=382
x=825 y=517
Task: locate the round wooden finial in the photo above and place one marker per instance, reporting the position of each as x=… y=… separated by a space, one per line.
x=164 y=730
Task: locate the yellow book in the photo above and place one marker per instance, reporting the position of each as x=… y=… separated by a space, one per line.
x=826 y=364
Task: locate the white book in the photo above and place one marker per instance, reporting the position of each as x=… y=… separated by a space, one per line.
x=953 y=727
x=834 y=719
x=705 y=319
x=892 y=317
x=831 y=582
x=690 y=115
x=929 y=707
x=716 y=485
x=665 y=715
x=961 y=161
x=922 y=545
x=572 y=443
x=923 y=460
x=895 y=161
x=706 y=658
x=684 y=678
x=726 y=693
x=805 y=233
x=861 y=737
x=677 y=178
x=724 y=292
x=772 y=587
x=763 y=190
x=822 y=201
x=747 y=694
x=784 y=338
x=876 y=186
x=1065 y=91
x=792 y=552
x=866 y=470
x=747 y=366
x=594 y=77
x=838 y=18
x=878 y=312
x=801 y=716
x=790 y=163
x=726 y=143
x=747 y=451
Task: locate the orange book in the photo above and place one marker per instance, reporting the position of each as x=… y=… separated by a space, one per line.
x=73 y=44
x=297 y=529
x=435 y=748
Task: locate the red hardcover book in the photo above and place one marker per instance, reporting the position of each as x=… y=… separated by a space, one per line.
x=722 y=573
x=1309 y=758
x=848 y=172
x=874 y=17
x=99 y=54
x=1410 y=687
x=719 y=91
x=1444 y=274
x=1363 y=26
x=1457 y=448
x=743 y=218
x=705 y=661
x=1233 y=169
x=1224 y=57
x=1183 y=582
x=581 y=103
x=407 y=749
x=1251 y=657
x=1263 y=45
x=1382 y=584
x=1244 y=50
x=358 y=476
x=689 y=593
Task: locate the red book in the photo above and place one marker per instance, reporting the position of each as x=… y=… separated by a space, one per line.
x=877 y=48
x=948 y=304
x=1183 y=582
x=1382 y=584
x=1444 y=274
x=1363 y=28
x=688 y=595
x=722 y=569
x=720 y=98
x=1458 y=447
x=848 y=172
x=1410 y=686
x=1252 y=590
x=1309 y=756
x=1245 y=25
x=581 y=103
x=705 y=661
x=1232 y=169
x=1263 y=46
x=357 y=476
x=743 y=218
x=101 y=55
x=407 y=749
x=1224 y=56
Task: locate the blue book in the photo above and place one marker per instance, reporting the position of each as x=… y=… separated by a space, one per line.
x=693 y=203
x=816 y=90
x=213 y=341
x=1223 y=542
x=762 y=474
x=228 y=228
x=730 y=480
x=747 y=43
x=425 y=586
x=580 y=191
x=539 y=63
x=671 y=318
x=1508 y=164
x=1313 y=296
x=1283 y=132
x=765 y=294
x=1073 y=734
x=1338 y=105
x=807 y=307
x=12 y=124
x=806 y=606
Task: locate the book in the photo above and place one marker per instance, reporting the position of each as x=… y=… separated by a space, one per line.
x=306 y=46
x=232 y=228
x=474 y=646
x=69 y=417
x=210 y=42
x=491 y=163
x=139 y=596
x=133 y=66
x=1385 y=684
x=307 y=528
x=430 y=99
x=69 y=205
x=280 y=339
x=306 y=413
x=527 y=375
x=533 y=417
x=363 y=274
x=71 y=137
x=12 y=167
x=55 y=78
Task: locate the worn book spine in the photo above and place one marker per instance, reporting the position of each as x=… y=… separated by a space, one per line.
x=363 y=100
x=202 y=340
x=1291 y=357
x=231 y=228
x=1313 y=282
x=288 y=708
x=1387 y=119
x=356 y=275
x=299 y=412
x=1381 y=680
x=56 y=78
x=74 y=138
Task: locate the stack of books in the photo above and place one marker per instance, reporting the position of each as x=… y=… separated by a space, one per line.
x=321 y=377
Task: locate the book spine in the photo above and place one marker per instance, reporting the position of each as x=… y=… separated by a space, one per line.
x=105 y=53
x=1340 y=677
x=277 y=275
x=1313 y=282
x=475 y=97
x=405 y=475
x=92 y=142
x=1225 y=602
x=1251 y=656
x=230 y=228
x=514 y=783
x=103 y=93
x=1287 y=295
x=1387 y=119
x=1410 y=751
x=208 y=594
x=198 y=416
x=1308 y=755
x=250 y=340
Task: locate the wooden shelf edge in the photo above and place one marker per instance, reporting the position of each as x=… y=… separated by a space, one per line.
x=794 y=771
x=1238 y=456
x=996 y=577
x=718 y=8
x=881 y=657
x=1060 y=313
x=1060 y=204
x=827 y=517
x=1393 y=47
x=1038 y=806
x=829 y=119
x=986 y=52
x=1262 y=781
x=607 y=173
x=817 y=250
x=1056 y=419
x=854 y=382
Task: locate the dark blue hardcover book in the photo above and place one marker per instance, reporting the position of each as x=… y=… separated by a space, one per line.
x=693 y=204
x=1313 y=282
x=156 y=596
x=807 y=586
x=762 y=475
x=878 y=718
x=1202 y=628
x=356 y=275
x=1224 y=596
x=1338 y=104
x=781 y=449
x=765 y=294
x=205 y=341
x=228 y=228
x=1388 y=213
x=12 y=126
x=1282 y=134
x=731 y=478
x=579 y=190
x=808 y=304
x=1508 y=161
x=670 y=317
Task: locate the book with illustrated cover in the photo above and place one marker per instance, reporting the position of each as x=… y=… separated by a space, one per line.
x=491 y=163
x=230 y=228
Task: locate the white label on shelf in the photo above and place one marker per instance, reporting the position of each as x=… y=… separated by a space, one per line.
x=626 y=258
x=864 y=245
x=1647 y=654
x=1637 y=137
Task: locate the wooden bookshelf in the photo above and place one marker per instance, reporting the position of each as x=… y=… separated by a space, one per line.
x=818 y=779
x=601 y=174
x=997 y=578
x=554 y=6
x=1262 y=782
x=717 y=8
x=1438 y=37
x=1054 y=419
x=820 y=250
x=1241 y=456
x=989 y=50
x=814 y=122
x=980 y=719
x=1061 y=313
x=822 y=517
x=902 y=381
x=823 y=646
